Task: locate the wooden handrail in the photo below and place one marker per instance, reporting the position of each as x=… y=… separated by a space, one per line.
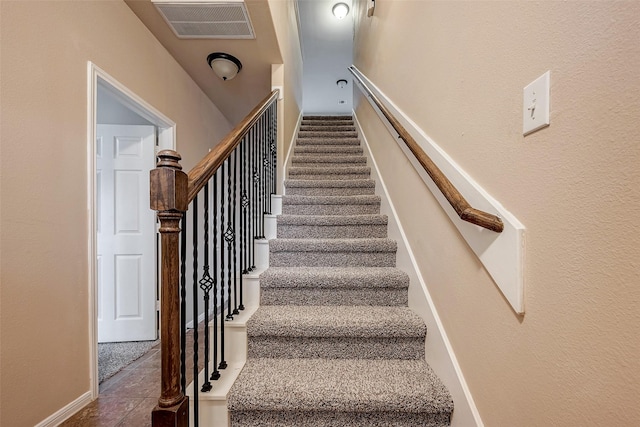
x=450 y=192
x=204 y=170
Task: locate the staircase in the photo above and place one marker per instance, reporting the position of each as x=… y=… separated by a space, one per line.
x=333 y=342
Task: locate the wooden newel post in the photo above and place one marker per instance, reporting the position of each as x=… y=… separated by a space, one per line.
x=169 y=199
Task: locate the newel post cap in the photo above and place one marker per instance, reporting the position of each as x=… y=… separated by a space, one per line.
x=168 y=183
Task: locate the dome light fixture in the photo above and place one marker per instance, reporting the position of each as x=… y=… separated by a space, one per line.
x=340 y=10
x=224 y=65
x=341 y=83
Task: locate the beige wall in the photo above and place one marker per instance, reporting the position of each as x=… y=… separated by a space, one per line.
x=45 y=49
x=284 y=20
x=458 y=69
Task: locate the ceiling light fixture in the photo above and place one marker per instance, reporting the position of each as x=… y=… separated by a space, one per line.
x=341 y=83
x=340 y=10
x=224 y=65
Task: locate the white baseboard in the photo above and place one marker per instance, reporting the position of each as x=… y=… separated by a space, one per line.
x=67 y=412
x=439 y=353
x=293 y=142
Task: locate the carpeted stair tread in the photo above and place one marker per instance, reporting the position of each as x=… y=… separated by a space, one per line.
x=331 y=226
x=320 y=220
x=330 y=183
x=382 y=286
x=297 y=388
x=327 y=161
x=336 y=321
x=330 y=187
x=309 y=150
x=327 y=134
x=327 y=118
x=331 y=205
x=327 y=128
x=327 y=141
x=294 y=171
x=334 y=277
x=332 y=245
x=332 y=252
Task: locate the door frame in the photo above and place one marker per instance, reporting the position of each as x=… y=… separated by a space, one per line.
x=166 y=140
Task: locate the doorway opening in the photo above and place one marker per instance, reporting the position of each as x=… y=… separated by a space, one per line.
x=124 y=134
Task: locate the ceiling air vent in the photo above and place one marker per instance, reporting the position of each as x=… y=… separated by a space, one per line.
x=195 y=19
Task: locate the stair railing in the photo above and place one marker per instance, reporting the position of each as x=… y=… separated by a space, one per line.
x=457 y=201
x=234 y=183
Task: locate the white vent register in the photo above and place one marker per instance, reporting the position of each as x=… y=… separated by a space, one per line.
x=207 y=19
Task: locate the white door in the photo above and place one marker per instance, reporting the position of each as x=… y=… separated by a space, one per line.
x=125 y=234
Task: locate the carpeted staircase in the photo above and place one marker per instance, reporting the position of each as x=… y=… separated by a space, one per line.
x=333 y=342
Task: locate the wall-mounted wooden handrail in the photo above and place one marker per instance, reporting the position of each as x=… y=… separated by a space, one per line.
x=204 y=170
x=450 y=192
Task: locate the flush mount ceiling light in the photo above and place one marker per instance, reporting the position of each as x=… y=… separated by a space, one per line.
x=341 y=83
x=340 y=10
x=224 y=65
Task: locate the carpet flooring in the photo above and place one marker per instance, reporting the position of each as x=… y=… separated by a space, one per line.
x=112 y=357
x=333 y=342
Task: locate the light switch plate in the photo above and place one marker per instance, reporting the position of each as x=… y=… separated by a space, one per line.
x=535 y=109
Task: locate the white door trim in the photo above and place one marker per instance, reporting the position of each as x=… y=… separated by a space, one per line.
x=166 y=139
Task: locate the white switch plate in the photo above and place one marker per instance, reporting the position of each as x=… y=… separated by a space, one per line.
x=535 y=110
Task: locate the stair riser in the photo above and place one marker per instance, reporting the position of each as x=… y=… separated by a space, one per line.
x=290 y=231
x=336 y=347
x=313 y=296
x=331 y=191
x=334 y=418
x=339 y=162
x=313 y=209
x=332 y=259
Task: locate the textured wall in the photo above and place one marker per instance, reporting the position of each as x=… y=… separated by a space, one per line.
x=45 y=49
x=458 y=69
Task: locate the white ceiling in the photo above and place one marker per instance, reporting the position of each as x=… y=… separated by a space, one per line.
x=327 y=51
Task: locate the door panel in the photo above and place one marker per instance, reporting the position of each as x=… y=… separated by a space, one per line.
x=125 y=234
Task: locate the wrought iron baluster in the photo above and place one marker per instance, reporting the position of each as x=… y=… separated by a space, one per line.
x=243 y=220
x=274 y=131
x=261 y=174
x=236 y=222
x=223 y=362
x=229 y=236
x=215 y=374
x=206 y=283
x=195 y=308
x=255 y=180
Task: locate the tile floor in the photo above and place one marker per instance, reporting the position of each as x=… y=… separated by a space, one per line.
x=127 y=398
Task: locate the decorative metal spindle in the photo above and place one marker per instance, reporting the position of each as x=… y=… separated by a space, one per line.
x=235 y=234
x=183 y=305
x=206 y=283
x=255 y=179
x=261 y=174
x=223 y=363
x=244 y=255
x=243 y=220
x=195 y=307
x=274 y=131
x=267 y=161
x=215 y=374
x=229 y=236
